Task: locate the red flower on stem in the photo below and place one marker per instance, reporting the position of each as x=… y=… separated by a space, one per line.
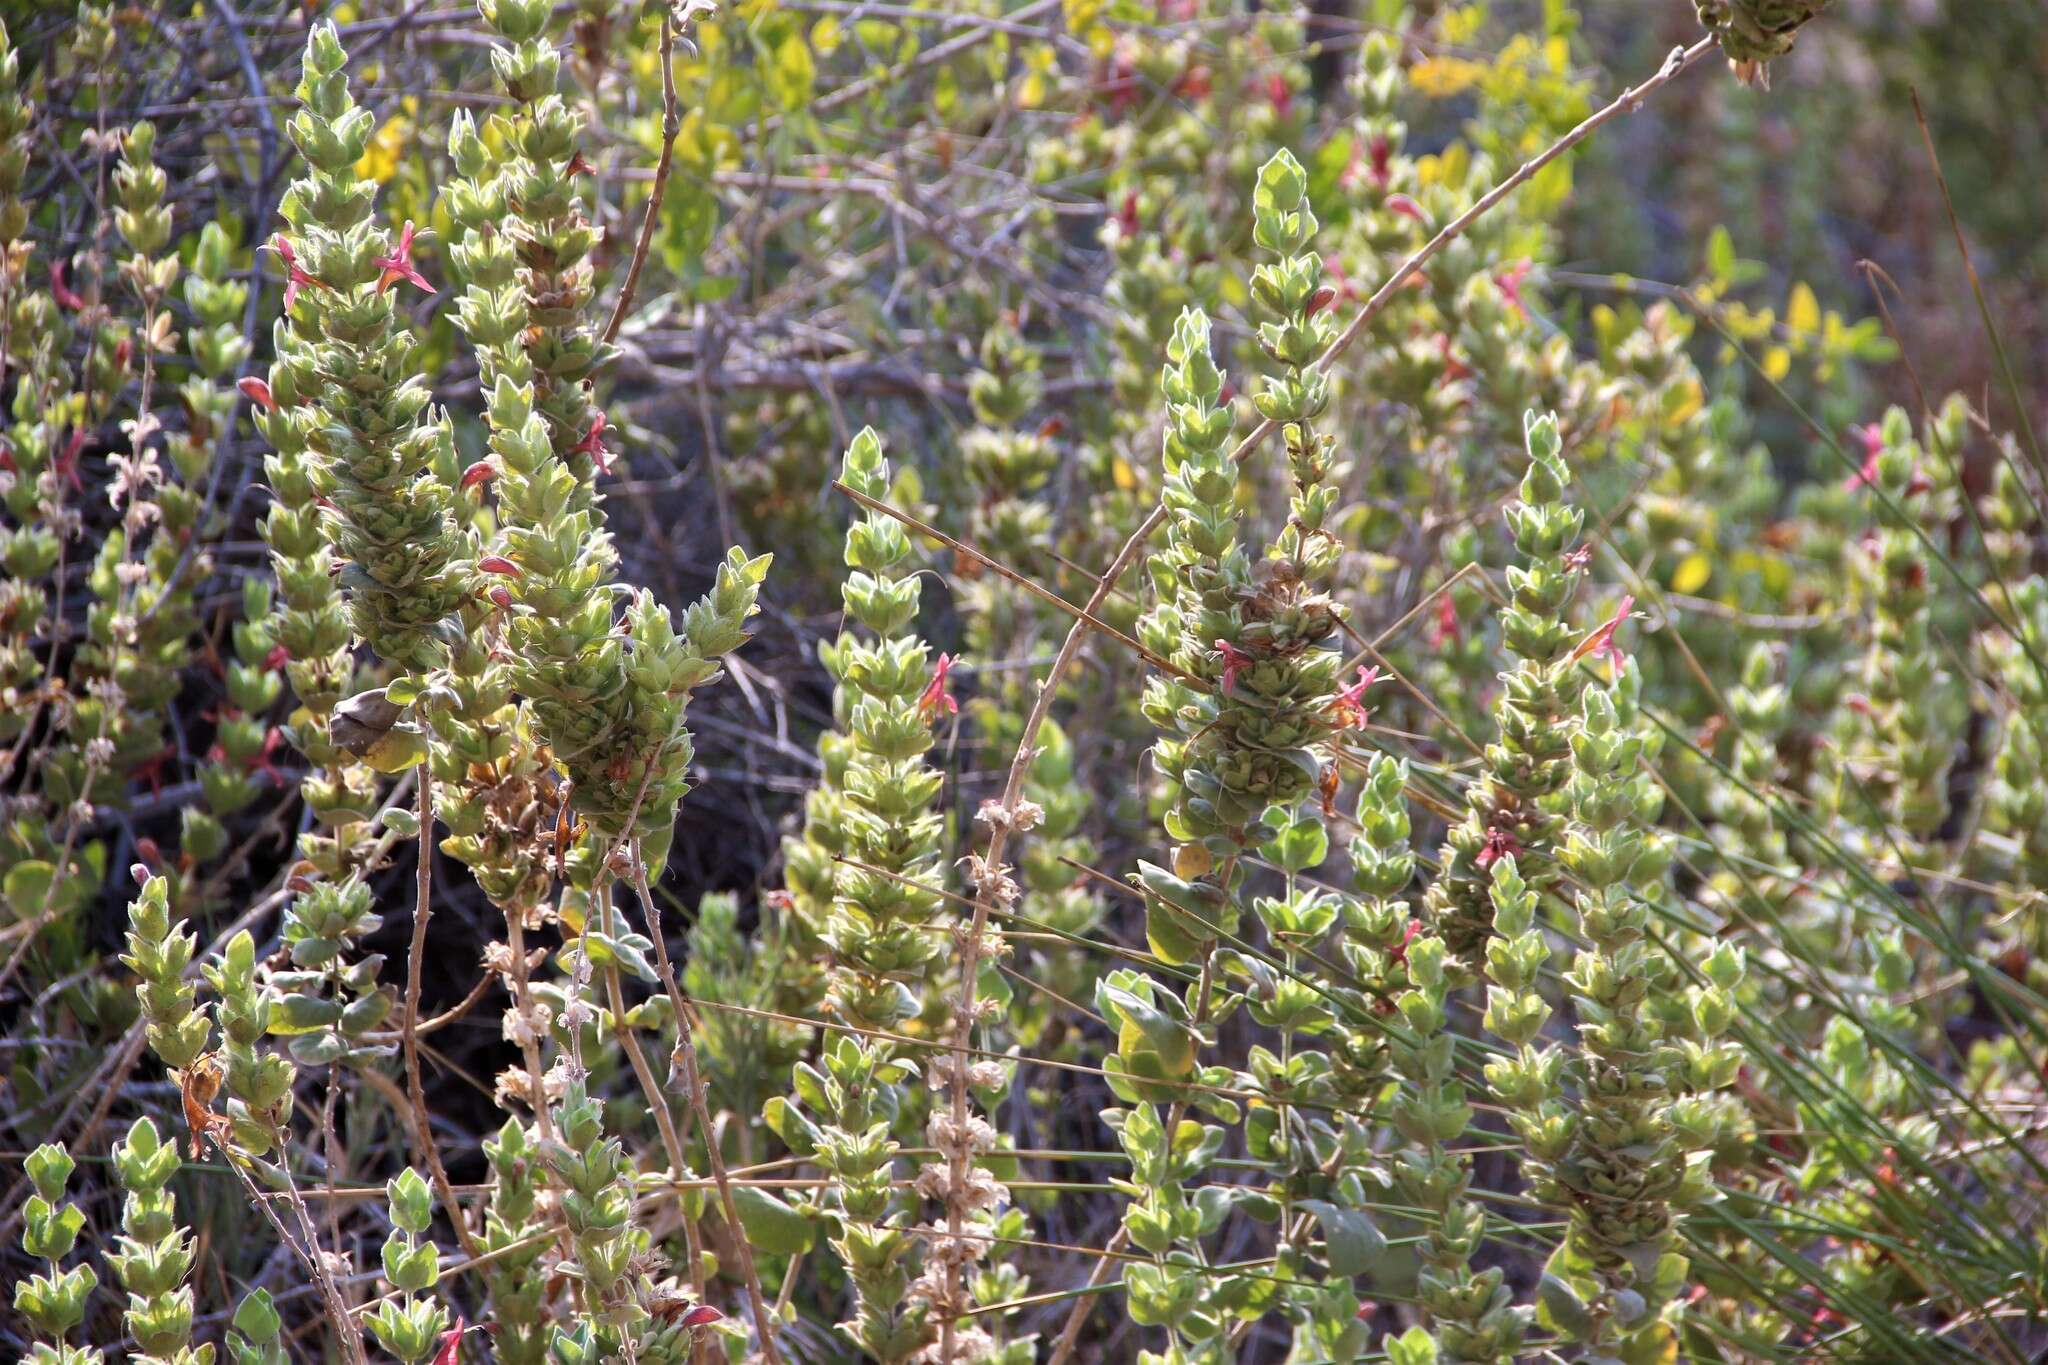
x=257 y=392
x=935 y=694
x=702 y=1315
x=1127 y=215
x=1500 y=844
x=1399 y=952
x=1600 y=644
x=295 y=275
x=593 y=445
x=262 y=762
x=1280 y=93
x=398 y=265
x=451 y=1343
x=1447 y=629
x=1873 y=446
x=66 y=464
x=1405 y=206
x=1349 y=703
x=1235 y=661
x=62 y=292
x=483 y=471
x=277 y=658
x=1510 y=283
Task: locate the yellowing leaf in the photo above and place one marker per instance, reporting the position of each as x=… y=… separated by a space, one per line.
x=1777 y=363
x=825 y=35
x=1692 y=573
x=1802 y=313
x=1121 y=474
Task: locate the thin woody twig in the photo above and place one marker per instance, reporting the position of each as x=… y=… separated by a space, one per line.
x=671 y=124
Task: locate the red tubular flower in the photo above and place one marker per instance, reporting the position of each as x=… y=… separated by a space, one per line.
x=1600 y=644
x=1127 y=215
x=262 y=762
x=593 y=445
x=498 y=564
x=295 y=275
x=65 y=295
x=700 y=1316
x=257 y=392
x=1510 y=284
x=1406 y=207
x=1349 y=703
x=451 y=1343
x=483 y=471
x=1399 y=952
x=935 y=694
x=1872 y=437
x=501 y=596
x=578 y=166
x=66 y=464
x=1318 y=301
x=1380 y=156
x=1447 y=629
x=1278 y=91
x=1235 y=661
x=1500 y=844
x=398 y=265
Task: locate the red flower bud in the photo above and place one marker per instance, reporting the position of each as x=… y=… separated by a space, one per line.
x=277 y=658
x=1318 y=301
x=483 y=471
x=701 y=1315
x=502 y=596
x=498 y=564
x=257 y=392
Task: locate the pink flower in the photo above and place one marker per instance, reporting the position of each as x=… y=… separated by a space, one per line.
x=593 y=445
x=66 y=464
x=62 y=292
x=1349 y=703
x=1600 y=644
x=935 y=694
x=1447 y=629
x=294 y=274
x=1127 y=215
x=1873 y=446
x=1406 y=207
x=262 y=762
x=1500 y=844
x=1235 y=661
x=257 y=392
x=1278 y=92
x=451 y=1343
x=1510 y=283
x=1400 y=950
x=398 y=265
